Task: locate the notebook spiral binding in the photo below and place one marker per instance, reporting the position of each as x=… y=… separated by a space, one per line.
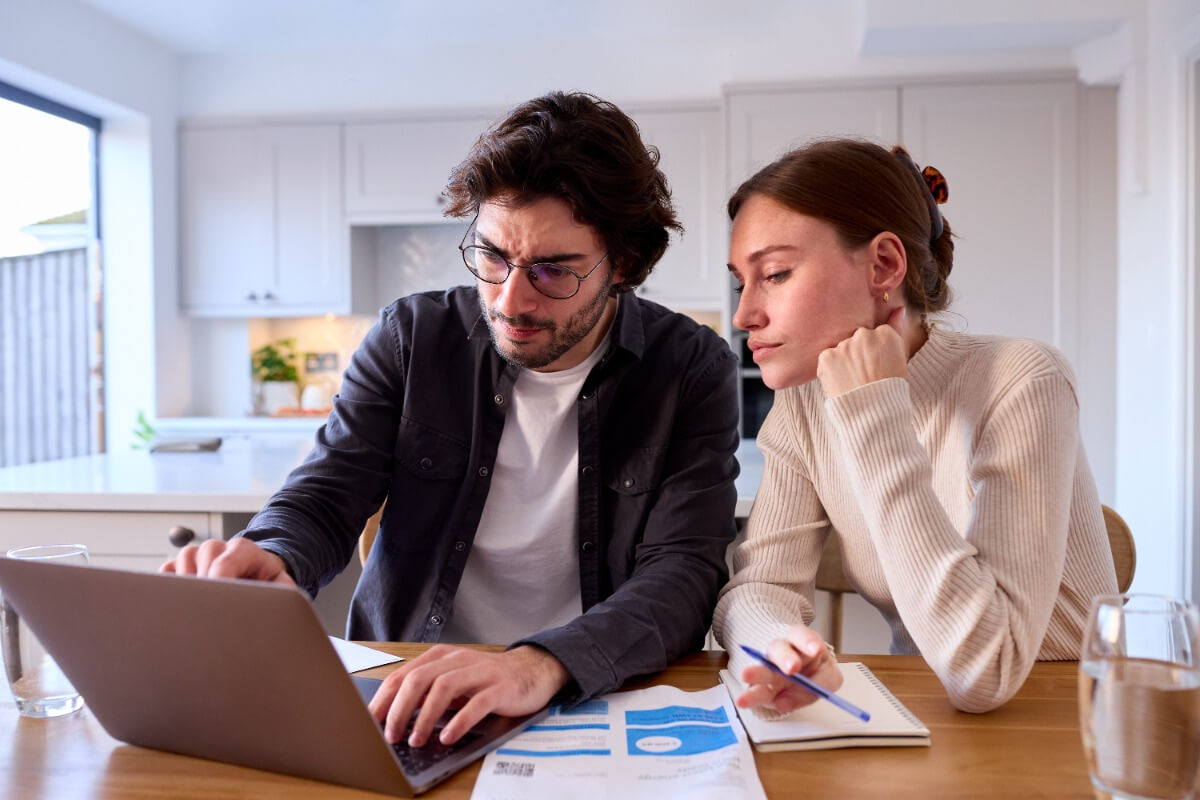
x=891 y=698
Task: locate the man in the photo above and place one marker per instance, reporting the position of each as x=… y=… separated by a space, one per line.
x=557 y=455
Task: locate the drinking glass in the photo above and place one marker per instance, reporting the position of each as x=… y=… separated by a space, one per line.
x=1139 y=697
x=38 y=686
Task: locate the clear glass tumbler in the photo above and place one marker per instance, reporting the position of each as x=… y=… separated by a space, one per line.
x=38 y=686
x=1139 y=697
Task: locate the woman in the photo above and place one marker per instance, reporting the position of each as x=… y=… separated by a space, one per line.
x=949 y=465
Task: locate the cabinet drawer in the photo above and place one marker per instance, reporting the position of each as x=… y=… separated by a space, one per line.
x=132 y=540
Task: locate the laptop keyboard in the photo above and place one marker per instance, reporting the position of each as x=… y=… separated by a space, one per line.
x=418 y=759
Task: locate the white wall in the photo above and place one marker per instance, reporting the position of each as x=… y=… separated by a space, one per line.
x=69 y=53
x=1154 y=278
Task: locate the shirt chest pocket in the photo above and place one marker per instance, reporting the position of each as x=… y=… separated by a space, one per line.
x=427 y=454
x=636 y=472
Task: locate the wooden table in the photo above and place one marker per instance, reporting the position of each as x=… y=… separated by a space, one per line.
x=1028 y=748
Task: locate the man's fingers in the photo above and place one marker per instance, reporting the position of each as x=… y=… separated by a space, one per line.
x=240 y=558
x=382 y=700
x=478 y=707
x=206 y=553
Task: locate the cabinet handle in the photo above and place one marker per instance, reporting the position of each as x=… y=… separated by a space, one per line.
x=268 y=296
x=179 y=536
x=252 y=297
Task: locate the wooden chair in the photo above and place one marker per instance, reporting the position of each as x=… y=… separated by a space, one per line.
x=368 y=535
x=1120 y=541
x=831 y=578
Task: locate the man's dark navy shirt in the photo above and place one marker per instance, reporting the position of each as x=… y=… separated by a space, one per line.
x=418 y=421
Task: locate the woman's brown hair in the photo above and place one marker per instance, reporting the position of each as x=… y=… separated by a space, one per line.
x=583 y=150
x=862 y=190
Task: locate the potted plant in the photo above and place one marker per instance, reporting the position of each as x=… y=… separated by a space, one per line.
x=274 y=368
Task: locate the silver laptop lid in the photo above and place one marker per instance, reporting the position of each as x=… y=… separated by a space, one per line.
x=234 y=671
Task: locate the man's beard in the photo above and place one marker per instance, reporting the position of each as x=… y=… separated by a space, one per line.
x=562 y=338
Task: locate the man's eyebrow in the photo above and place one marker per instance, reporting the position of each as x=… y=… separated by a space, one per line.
x=546 y=259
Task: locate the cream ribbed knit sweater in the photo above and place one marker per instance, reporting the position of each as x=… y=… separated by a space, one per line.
x=965 y=507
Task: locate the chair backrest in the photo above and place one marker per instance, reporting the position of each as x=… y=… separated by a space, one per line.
x=1120 y=541
x=831 y=578
x=368 y=535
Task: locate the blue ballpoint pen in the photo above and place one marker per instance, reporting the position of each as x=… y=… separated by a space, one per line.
x=818 y=690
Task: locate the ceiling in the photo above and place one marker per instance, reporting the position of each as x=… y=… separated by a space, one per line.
x=226 y=27
x=244 y=27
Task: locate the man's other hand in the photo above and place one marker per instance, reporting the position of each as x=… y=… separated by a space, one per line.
x=237 y=558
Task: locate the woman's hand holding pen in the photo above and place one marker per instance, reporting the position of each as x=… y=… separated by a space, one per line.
x=802 y=651
x=867 y=355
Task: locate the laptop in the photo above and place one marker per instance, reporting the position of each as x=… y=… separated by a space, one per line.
x=230 y=670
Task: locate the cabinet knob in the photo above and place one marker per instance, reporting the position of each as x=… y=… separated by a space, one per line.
x=252 y=297
x=268 y=296
x=440 y=200
x=179 y=536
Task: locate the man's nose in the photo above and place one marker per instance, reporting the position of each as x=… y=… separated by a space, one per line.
x=517 y=295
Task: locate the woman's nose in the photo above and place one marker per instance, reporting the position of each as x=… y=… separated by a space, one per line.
x=748 y=315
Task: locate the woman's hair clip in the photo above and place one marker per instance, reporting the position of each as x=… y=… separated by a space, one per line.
x=936 y=182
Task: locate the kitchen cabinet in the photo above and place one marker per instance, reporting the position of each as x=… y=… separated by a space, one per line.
x=395 y=171
x=1009 y=149
x=128 y=540
x=765 y=124
x=262 y=231
x=691 y=275
x=1009 y=153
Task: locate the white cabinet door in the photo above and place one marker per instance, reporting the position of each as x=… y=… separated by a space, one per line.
x=395 y=171
x=764 y=125
x=692 y=273
x=311 y=242
x=1008 y=152
x=262 y=230
x=226 y=243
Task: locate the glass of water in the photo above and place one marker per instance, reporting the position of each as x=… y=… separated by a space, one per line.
x=1139 y=697
x=38 y=686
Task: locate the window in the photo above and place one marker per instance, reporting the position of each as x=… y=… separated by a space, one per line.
x=50 y=287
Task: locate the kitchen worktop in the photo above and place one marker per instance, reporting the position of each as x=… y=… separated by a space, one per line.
x=239 y=477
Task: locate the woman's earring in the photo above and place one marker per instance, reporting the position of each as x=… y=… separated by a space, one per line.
x=885 y=297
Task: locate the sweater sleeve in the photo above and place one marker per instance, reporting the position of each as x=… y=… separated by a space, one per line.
x=775 y=561
x=977 y=602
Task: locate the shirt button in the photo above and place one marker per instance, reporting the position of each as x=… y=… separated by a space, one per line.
x=460 y=546
x=426 y=463
x=627 y=483
x=498 y=399
x=588 y=547
x=483 y=472
x=586 y=471
x=436 y=619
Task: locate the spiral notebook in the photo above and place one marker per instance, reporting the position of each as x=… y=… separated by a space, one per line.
x=823 y=726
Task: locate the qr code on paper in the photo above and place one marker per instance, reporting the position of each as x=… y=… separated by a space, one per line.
x=521 y=769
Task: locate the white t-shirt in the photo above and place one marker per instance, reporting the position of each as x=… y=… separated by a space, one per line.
x=522 y=575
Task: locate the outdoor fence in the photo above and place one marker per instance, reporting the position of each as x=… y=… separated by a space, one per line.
x=48 y=387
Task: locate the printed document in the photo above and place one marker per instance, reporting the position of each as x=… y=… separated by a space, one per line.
x=642 y=745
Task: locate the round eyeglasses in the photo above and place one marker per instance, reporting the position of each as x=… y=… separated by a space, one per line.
x=553 y=280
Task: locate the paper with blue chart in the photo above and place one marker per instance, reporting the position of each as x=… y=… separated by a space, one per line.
x=651 y=743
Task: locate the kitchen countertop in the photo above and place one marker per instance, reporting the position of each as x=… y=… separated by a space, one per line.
x=238 y=478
